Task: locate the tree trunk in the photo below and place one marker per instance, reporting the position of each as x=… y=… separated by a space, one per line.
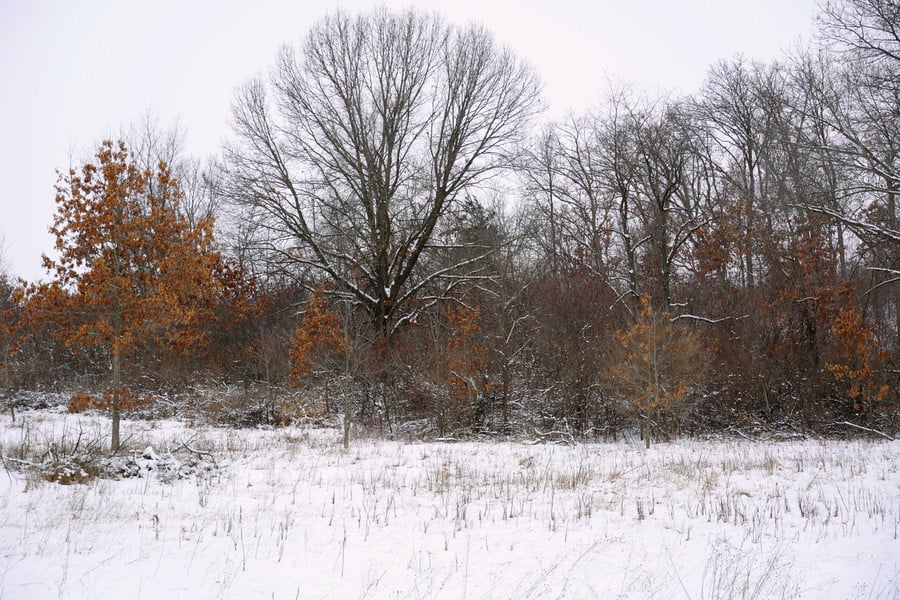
x=750 y=230
x=7 y=387
x=630 y=258
x=347 y=403
x=645 y=427
x=117 y=393
x=505 y=403
x=892 y=224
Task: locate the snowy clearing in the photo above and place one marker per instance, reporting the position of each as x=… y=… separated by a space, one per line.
x=290 y=515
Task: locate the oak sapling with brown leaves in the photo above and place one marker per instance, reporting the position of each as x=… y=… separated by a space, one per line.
x=129 y=271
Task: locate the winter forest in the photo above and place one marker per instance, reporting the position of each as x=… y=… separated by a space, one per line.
x=395 y=237
x=406 y=337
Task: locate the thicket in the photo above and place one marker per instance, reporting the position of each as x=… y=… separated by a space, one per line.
x=677 y=265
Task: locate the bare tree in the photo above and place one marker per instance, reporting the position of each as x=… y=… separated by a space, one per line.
x=376 y=126
x=579 y=181
x=867 y=28
x=865 y=111
x=617 y=138
x=859 y=96
x=152 y=143
x=731 y=108
x=542 y=187
x=614 y=195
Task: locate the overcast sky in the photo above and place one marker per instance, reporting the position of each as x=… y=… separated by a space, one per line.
x=75 y=72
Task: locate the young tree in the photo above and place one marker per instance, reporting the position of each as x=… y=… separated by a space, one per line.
x=662 y=360
x=856 y=366
x=130 y=272
x=10 y=336
x=467 y=365
x=320 y=336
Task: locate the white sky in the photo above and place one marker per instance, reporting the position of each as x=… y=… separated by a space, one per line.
x=75 y=72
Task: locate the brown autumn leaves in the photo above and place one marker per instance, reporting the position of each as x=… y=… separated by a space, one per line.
x=130 y=272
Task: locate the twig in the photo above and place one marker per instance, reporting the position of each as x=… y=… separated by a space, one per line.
x=677 y=575
x=708 y=319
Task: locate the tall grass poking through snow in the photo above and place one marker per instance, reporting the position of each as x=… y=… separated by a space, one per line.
x=291 y=515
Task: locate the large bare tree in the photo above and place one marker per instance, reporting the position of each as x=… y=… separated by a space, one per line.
x=364 y=138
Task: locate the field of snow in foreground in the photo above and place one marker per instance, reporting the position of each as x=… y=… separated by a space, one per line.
x=290 y=515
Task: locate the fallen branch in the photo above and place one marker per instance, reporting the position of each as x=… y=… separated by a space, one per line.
x=860 y=427
x=198 y=452
x=741 y=434
x=554 y=437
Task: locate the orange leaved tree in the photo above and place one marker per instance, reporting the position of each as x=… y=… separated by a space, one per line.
x=319 y=336
x=10 y=339
x=859 y=355
x=466 y=360
x=661 y=362
x=129 y=271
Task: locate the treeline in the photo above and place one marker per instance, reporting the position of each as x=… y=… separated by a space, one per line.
x=401 y=239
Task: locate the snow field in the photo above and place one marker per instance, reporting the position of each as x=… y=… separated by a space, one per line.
x=291 y=515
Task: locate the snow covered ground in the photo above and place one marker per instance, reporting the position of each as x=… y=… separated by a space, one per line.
x=290 y=515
